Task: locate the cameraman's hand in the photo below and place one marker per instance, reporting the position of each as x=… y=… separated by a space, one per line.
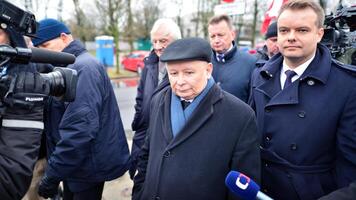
x=48 y=187
x=28 y=82
x=27 y=90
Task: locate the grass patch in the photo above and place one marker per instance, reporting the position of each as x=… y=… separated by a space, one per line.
x=122 y=74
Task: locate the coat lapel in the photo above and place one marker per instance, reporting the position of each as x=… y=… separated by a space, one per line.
x=198 y=118
x=270 y=84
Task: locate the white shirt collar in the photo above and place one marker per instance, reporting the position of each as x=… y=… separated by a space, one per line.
x=299 y=70
x=191 y=100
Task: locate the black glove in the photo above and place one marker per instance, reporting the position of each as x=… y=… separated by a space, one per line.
x=48 y=187
x=28 y=82
x=27 y=90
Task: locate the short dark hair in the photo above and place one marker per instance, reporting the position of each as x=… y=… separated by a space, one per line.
x=219 y=18
x=303 y=4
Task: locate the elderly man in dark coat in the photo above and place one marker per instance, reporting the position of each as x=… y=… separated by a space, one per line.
x=306 y=111
x=153 y=79
x=197 y=132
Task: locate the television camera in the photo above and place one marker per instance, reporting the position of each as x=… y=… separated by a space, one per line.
x=61 y=82
x=340 y=34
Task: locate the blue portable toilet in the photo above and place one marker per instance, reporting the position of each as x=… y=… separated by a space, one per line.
x=105 y=50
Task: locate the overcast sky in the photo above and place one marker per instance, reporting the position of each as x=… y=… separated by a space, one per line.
x=88 y=5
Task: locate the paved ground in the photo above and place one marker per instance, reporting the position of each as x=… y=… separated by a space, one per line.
x=119 y=189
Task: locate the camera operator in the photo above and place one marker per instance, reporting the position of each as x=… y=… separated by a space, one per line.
x=21 y=122
x=86 y=141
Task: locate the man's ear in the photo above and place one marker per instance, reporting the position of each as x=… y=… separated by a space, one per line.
x=209 y=69
x=320 y=34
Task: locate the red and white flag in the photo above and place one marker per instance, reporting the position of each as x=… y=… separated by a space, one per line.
x=272 y=13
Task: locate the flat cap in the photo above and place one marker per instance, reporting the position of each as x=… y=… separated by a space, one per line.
x=187 y=49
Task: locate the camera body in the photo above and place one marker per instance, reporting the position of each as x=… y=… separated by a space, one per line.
x=340 y=34
x=61 y=82
x=23 y=22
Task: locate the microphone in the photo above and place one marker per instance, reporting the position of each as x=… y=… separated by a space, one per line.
x=244 y=187
x=25 y=55
x=52 y=57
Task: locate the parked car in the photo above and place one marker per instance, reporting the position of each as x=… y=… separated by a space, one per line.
x=134 y=61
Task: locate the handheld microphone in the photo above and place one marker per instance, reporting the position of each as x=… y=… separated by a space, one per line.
x=244 y=187
x=25 y=55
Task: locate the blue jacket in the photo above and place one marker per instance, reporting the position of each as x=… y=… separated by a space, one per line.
x=86 y=139
x=234 y=74
x=308 y=129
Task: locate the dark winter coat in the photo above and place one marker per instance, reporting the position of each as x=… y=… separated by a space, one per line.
x=308 y=129
x=148 y=86
x=86 y=139
x=20 y=133
x=234 y=74
x=219 y=136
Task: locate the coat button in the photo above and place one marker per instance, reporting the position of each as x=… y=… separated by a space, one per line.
x=293 y=146
x=268 y=138
x=167 y=154
x=157 y=198
x=301 y=114
x=267 y=110
x=311 y=82
x=265 y=190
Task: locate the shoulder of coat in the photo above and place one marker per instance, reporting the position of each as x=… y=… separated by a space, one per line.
x=351 y=69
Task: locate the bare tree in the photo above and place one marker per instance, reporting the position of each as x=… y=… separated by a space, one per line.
x=60 y=10
x=112 y=12
x=129 y=27
x=254 y=22
x=46 y=7
x=81 y=27
x=145 y=17
x=204 y=13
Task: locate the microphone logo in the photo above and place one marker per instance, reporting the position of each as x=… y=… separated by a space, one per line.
x=242 y=181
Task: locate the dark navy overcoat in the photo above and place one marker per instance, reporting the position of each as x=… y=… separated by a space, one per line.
x=308 y=130
x=219 y=136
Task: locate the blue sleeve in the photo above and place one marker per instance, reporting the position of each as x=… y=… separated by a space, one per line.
x=79 y=124
x=139 y=99
x=345 y=144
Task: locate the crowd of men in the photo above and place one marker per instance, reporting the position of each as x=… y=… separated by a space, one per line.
x=286 y=118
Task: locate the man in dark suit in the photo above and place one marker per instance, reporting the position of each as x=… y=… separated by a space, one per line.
x=232 y=67
x=197 y=132
x=306 y=110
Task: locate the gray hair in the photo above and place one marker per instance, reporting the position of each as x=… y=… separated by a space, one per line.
x=170 y=28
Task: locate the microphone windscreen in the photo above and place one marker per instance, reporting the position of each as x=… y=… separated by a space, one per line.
x=241 y=185
x=52 y=57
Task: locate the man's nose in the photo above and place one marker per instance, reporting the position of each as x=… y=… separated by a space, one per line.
x=157 y=45
x=180 y=79
x=291 y=36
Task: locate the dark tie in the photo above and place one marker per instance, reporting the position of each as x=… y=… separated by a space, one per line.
x=290 y=74
x=221 y=57
x=185 y=104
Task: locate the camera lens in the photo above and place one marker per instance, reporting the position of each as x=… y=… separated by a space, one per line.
x=56 y=82
x=62 y=83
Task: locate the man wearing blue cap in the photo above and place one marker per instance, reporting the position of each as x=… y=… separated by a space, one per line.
x=85 y=138
x=270 y=48
x=197 y=132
